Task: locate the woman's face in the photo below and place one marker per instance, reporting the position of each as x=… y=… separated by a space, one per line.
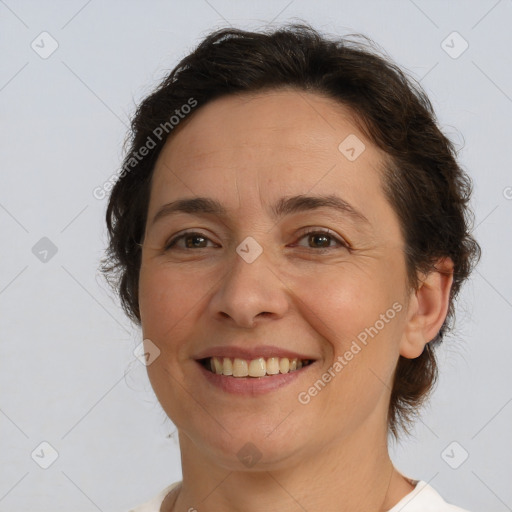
x=273 y=275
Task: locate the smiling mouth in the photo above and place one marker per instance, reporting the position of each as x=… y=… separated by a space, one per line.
x=260 y=367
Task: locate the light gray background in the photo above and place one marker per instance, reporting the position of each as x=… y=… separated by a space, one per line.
x=68 y=374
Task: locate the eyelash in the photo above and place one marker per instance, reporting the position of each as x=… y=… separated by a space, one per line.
x=313 y=231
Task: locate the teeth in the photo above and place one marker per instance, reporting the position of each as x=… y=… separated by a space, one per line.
x=272 y=366
x=240 y=368
x=217 y=366
x=227 y=367
x=284 y=365
x=259 y=367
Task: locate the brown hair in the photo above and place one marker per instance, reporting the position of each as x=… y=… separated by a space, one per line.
x=422 y=180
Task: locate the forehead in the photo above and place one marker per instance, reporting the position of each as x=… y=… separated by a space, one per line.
x=288 y=119
x=279 y=142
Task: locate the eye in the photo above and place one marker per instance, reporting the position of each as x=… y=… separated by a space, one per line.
x=323 y=237
x=193 y=240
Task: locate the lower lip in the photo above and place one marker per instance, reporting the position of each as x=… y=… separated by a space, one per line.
x=252 y=385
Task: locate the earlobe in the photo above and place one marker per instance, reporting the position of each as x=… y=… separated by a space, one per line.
x=427 y=310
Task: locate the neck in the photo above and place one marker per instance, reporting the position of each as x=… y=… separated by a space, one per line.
x=354 y=473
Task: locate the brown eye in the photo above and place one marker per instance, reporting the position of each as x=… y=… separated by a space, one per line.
x=321 y=239
x=192 y=239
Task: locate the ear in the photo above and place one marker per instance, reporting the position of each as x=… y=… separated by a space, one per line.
x=428 y=307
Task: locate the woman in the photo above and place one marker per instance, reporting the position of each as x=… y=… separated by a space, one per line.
x=290 y=229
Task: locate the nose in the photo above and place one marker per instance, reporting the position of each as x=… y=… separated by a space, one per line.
x=250 y=293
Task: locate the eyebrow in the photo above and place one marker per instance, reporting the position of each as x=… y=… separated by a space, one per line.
x=285 y=206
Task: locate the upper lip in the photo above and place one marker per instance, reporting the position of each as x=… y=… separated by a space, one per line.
x=250 y=353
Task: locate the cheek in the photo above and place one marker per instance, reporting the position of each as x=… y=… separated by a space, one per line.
x=165 y=299
x=336 y=302
x=362 y=352
x=343 y=303
x=359 y=317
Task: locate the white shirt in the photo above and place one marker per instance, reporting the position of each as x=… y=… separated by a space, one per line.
x=423 y=498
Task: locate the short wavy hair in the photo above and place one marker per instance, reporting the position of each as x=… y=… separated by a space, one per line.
x=422 y=180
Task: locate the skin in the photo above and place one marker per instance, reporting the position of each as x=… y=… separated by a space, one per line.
x=248 y=151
